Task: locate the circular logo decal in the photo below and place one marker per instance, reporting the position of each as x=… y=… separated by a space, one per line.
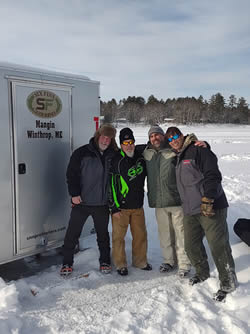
x=45 y=104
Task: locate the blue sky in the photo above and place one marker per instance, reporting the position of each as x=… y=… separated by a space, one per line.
x=169 y=48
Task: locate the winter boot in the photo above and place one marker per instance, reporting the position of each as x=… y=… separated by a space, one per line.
x=196 y=279
x=105 y=268
x=66 y=270
x=220 y=296
x=148 y=267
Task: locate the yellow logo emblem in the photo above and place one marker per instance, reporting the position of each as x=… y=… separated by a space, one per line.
x=44 y=104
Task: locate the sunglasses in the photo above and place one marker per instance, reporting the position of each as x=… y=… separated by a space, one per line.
x=126 y=143
x=174 y=137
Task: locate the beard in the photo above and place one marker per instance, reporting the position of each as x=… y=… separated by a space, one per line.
x=103 y=147
x=130 y=154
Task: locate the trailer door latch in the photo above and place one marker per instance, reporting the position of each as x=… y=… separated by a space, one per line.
x=21 y=168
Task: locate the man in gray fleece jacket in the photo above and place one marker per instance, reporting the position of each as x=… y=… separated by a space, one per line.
x=164 y=197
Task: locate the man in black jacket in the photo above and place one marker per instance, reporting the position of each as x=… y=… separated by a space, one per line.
x=87 y=178
x=128 y=172
x=205 y=211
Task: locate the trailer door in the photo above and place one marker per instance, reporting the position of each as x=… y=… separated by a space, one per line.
x=41 y=118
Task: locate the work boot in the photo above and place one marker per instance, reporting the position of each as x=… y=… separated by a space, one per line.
x=220 y=296
x=148 y=267
x=123 y=271
x=166 y=268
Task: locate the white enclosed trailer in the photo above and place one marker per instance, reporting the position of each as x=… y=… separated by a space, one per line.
x=44 y=116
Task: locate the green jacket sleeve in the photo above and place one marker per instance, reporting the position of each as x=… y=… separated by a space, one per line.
x=118 y=190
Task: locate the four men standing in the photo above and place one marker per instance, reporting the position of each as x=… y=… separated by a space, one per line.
x=181 y=176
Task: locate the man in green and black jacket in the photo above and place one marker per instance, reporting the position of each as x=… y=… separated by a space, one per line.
x=127 y=177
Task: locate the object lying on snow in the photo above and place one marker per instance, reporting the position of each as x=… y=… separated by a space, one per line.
x=242 y=229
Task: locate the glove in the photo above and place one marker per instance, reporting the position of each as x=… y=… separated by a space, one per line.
x=207 y=207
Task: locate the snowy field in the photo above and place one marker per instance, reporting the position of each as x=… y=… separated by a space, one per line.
x=143 y=302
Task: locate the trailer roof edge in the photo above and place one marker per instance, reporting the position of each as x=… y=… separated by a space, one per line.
x=40 y=70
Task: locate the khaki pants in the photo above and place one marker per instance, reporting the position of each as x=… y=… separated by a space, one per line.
x=171 y=236
x=135 y=218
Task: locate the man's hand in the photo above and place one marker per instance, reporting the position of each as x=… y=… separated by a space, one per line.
x=76 y=200
x=207 y=207
x=117 y=215
x=200 y=143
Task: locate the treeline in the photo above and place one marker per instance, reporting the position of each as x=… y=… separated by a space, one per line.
x=181 y=110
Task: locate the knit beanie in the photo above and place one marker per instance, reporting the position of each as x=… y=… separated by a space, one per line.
x=125 y=134
x=155 y=129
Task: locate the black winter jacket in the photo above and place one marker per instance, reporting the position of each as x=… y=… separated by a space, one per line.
x=127 y=178
x=87 y=174
x=198 y=175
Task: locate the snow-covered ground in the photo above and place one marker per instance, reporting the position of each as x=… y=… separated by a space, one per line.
x=142 y=302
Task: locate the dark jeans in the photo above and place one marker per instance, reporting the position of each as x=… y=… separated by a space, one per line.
x=78 y=217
